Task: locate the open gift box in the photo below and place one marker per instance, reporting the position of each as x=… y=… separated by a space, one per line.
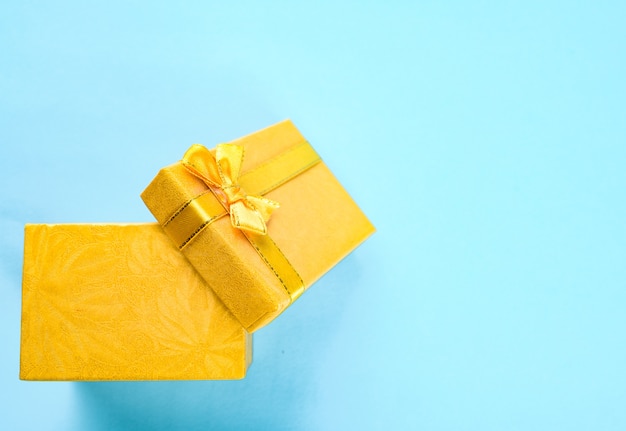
x=261 y=219
x=119 y=302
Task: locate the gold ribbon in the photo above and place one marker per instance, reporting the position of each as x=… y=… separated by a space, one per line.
x=219 y=169
x=241 y=196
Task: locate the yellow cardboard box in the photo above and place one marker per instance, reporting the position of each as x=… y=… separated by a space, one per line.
x=260 y=218
x=119 y=302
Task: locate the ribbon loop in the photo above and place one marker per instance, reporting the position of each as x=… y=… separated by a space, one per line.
x=220 y=169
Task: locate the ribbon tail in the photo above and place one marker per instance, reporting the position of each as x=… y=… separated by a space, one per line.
x=247 y=219
x=263 y=206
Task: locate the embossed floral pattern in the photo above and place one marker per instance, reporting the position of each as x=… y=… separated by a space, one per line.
x=119 y=302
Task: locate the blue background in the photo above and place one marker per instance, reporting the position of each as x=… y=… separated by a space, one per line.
x=485 y=140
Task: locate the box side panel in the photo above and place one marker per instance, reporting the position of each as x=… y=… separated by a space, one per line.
x=119 y=302
x=234 y=270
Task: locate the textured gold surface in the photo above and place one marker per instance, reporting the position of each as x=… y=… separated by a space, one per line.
x=119 y=302
x=219 y=169
x=316 y=225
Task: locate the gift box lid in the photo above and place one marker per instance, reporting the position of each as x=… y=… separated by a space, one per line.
x=314 y=222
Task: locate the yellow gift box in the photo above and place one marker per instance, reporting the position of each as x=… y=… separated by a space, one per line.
x=119 y=302
x=260 y=218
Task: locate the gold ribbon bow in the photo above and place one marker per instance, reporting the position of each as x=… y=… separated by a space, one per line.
x=219 y=169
